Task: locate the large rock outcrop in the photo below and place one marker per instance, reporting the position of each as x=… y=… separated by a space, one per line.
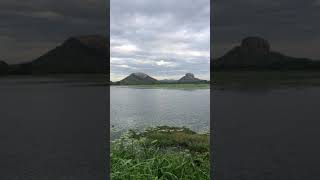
x=255 y=53
x=138 y=78
x=83 y=54
x=188 y=78
x=255 y=45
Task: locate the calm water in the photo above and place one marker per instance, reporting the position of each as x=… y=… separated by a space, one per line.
x=137 y=108
x=267 y=134
x=51 y=129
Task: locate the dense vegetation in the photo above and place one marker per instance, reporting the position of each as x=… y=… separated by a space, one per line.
x=161 y=153
x=175 y=86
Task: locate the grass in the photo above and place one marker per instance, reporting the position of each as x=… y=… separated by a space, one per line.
x=174 y=86
x=161 y=153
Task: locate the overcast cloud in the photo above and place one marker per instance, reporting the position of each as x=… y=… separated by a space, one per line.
x=164 y=39
x=291 y=26
x=29 y=28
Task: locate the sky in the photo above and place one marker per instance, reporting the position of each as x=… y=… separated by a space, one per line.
x=165 y=39
x=29 y=28
x=291 y=26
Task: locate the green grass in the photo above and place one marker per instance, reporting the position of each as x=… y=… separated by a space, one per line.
x=173 y=86
x=161 y=153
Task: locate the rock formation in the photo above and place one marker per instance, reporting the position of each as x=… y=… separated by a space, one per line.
x=138 y=78
x=255 y=53
x=190 y=78
x=83 y=54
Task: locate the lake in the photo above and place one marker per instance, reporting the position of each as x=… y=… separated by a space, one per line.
x=55 y=127
x=139 y=108
x=52 y=128
x=267 y=133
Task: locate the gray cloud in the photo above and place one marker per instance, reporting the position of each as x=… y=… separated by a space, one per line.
x=162 y=38
x=30 y=28
x=291 y=26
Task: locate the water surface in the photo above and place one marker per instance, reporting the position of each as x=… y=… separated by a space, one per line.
x=139 y=108
x=267 y=133
x=52 y=128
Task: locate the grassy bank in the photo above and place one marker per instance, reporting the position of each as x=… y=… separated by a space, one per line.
x=161 y=153
x=173 y=86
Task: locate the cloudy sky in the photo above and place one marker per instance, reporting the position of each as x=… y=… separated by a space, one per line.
x=291 y=26
x=164 y=39
x=29 y=28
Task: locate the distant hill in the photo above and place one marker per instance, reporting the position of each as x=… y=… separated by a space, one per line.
x=81 y=54
x=255 y=53
x=138 y=78
x=190 y=78
x=4 y=67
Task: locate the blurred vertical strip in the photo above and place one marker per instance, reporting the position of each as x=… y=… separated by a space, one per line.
x=107 y=146
x=212 y=122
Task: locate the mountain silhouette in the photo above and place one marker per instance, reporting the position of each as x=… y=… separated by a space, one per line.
x=83 y=54
x=255 y=53
x=188 y=78
x=138 y=78
x=80 y=54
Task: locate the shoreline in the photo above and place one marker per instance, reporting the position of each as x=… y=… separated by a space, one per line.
x=265 y=79
x=161 y=152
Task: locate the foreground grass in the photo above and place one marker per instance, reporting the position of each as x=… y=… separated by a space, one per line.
x=161 y=153
x=174 y=86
